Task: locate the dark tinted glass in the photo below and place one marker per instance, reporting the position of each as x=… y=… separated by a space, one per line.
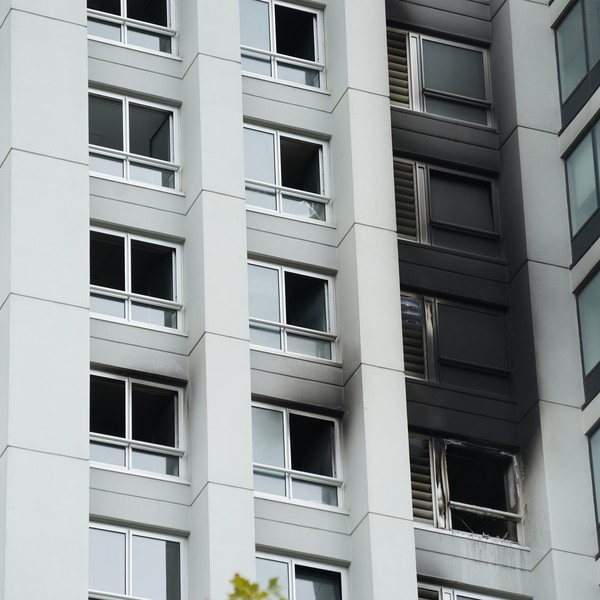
x=107 y=406
x=154 y=415
x=152 y=270
x=107 y=260
x=312 y=445
x=295 y=32
x=305 y=301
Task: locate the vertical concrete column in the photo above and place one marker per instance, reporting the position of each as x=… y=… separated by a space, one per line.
x=217 y=312
x=367 y=285
x=44 y=281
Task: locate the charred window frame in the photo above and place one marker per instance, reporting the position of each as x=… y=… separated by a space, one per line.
x=282 y=41
x=435 y=592
x=145 y=24
x=291 y=310
x=296 y=455
x=301 y=579
x=136 y=425
x=463 y=487
x=133 y=139
x=439 y=77
x=135 y=279
x=447 y=208
x=286 y=174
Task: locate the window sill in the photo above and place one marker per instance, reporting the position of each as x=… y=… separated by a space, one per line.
x=472 y=537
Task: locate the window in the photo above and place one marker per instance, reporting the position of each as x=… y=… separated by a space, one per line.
x=285 y=174
x=143 y=23
x=290 y=311
x=439 y=77
x=435 y=592
x=578 y=52
x=134 y=279
x=445 y=208
x=458 y=346
x=594 y=442
x=295 y=455
x=135 y=424
x=463 y=487
x=126 y=563
x=300 y=580
x=283 y=41
x=132 y=139
x=588 y=305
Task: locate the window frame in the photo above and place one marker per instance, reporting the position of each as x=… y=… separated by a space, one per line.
x=289 y=473
x=292 y=563
x=126 y=156
x=447 y=593
x=124 y=23
x=595 y=474
x=440 y=481
x=129 y=533
x=275 y=57
x=323 y=198
x=285 y=328
x=128 y=296
x=129 y=444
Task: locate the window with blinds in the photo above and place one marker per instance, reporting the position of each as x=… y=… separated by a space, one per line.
x=420 y=482
x=412 y=335
x=398 y=67
x=428 y=594
x=406 y=207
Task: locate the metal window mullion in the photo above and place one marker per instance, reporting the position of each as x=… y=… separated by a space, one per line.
x=442 y=483
x=585 y=39
x=430 y=341
x=282 y=311
x=287 y=451
x=128 y=286
x=458 y=98
x=422 y=201
x=272 y=39
x=278 y=172
x=596 y=158
x=301 y=194
x=415 y=52
x=490 y=512
x=128 y=562
x=128 y=422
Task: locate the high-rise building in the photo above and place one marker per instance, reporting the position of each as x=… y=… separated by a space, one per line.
x=300 y=289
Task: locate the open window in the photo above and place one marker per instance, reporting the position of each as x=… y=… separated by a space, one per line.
x=436 y=592
x=127 y=563
x=464 y=487
x=296 y=455
x=285 y=173
x=131 y=139
x=446 y=208
x=135 y=425
x=300 y=580
x=134 y=279
x=283 y=41
x=290 y=310
x=439 y=77
x=142 y=23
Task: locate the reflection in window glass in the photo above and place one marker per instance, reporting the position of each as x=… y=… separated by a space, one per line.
x=571 y=51
x=316 y=584
x=267 y=569
x=581 y=176
x=588 y=302
x=107 y=561
x=595 y=452
x=267 y=436
x=155 y=569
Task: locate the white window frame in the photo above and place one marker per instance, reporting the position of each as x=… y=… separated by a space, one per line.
x=285 y=328
x=129 y=444
x=446 y=593
x=276 y=58
x=128 y=158
x=291 y=569
x=440 y=484
x=125 y=23
x=280 y=191
x=130 y=297
x=289 y=473
x=417 y=92
x=129 y=534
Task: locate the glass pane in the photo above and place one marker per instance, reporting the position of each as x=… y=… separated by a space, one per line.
x=589 y=323
x=104 y=453
x=461 y=201
x=301 y=165
x=152 y=270
x=152 y=175
x=155 y=463
x=150 y=132
x=308 y=346
x=259 y=155
x=297 y=74
x=155 y=315
x=108 y=166
x=595 y=450
x=254 y=24
x=592 y=22
x=107 y=306
x=256 y=63
x=456 y=110
x=295 y=32
x=107 y=406
x=267 y=436
x=154 y=415
x=106 y=122
x=268 y=569
x=263 y=292
x=149 y=11
x=262 y=198
x=112 y=7
x=454 y=70
x=572 y=66
x=316 y=584
x=107 y=260
x=109 y=31
x=303 y=208
x=146 y=39
x=314 y=492
x=581 y=178
x=107 y=561
x=269 y=483
x=306 y=301
x=312 y=445
x=265 y=335
x=155 y=570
